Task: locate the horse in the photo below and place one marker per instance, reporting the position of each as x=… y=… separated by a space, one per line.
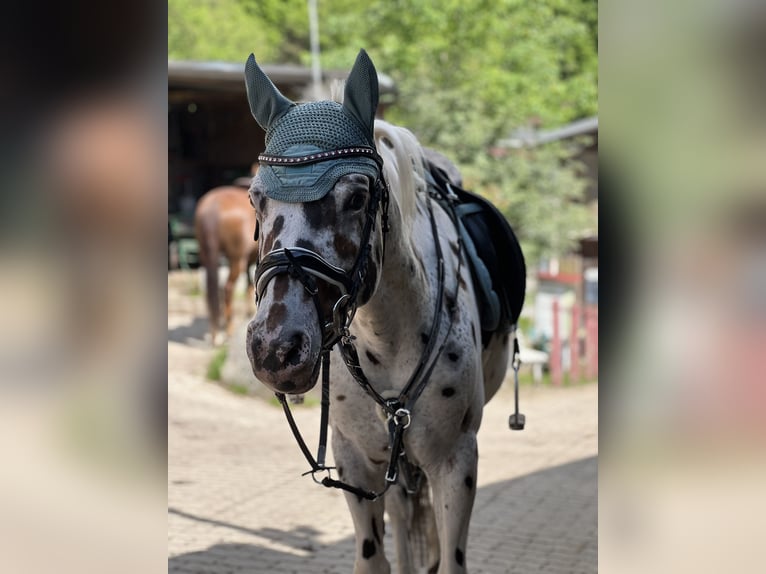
x=223 y=223
x=363 y=277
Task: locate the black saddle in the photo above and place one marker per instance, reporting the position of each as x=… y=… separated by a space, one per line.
x=497 y=263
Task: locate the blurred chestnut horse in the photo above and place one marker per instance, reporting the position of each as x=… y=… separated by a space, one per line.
x=224 y=223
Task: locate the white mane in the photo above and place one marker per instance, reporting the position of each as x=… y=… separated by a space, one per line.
x=402 y=167
x=402 y=162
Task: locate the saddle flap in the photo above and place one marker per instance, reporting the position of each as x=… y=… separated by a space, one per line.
x=497 y=261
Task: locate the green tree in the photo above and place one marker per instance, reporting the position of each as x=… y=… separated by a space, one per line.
x=540 y=191
x=467 y=73
x=217 y=30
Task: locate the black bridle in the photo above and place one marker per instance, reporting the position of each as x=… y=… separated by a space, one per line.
x=307 y=267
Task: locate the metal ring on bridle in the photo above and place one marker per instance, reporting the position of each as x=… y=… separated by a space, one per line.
x=342 y=315
x=401 y=414
x=327 y=469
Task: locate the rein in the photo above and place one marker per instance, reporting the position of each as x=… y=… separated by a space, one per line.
x=307 y=266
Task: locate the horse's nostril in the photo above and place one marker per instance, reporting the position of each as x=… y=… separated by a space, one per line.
x=293 y=355
x=289 y=351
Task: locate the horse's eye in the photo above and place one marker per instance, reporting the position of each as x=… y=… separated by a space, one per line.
x=356 y=201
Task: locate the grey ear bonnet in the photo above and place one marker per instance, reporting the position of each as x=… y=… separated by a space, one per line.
x=298 y=130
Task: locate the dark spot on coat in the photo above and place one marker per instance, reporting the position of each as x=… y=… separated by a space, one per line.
x=340 y=398
x=275 y=230
x=435 y=568
x=461 y=281
x=453 y=357
x=286 y=386
x=375 y=530
x=451 y=304
x=368 y=549
x=412 y=268
x=277 y=245
x=373 y=359
x=306 y=244
x=321 y=213
x=448 y=391
x=280 y=287
x=340 y=471
x=459 y=558
x=279 y=223
x=344 y=247
x=469 y=482
x=262 y=206
x=424 y=338
x=277 y=314
x=454 y=247
x=473 y=333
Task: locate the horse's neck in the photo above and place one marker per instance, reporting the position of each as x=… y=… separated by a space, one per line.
x=399 y=308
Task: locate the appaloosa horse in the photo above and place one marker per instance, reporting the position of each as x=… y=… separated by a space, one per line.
x=223 y=223
x=363 y=272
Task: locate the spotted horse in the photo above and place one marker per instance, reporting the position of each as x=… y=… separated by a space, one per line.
x=364 y=276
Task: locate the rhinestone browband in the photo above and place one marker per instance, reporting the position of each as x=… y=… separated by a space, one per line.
x=320 y=156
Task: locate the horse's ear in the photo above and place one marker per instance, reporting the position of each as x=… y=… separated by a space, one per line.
x=361 y=95
x=266 y=102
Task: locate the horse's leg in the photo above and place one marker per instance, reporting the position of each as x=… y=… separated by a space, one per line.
x=208 y=253
x=454 y=488
x=366 y=515
x=399 y=512
x=236 y=266
x=412 y=522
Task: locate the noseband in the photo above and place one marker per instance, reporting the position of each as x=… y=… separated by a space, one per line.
x=307 y=266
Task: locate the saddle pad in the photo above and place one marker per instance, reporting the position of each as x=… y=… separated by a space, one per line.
x=496 y=260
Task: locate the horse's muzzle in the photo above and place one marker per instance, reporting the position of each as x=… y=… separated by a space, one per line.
x=287 y=363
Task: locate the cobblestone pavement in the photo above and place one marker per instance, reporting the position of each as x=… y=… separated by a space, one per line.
x=237 y=503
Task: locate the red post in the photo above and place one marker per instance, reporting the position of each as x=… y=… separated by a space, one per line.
x=574 y=345
x=555 y=357
x=591 y=342
x=595 y=341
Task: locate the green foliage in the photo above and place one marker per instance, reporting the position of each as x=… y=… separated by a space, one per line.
x=216 y=364
x=467 y=73
x=511 y=60
x=540 y=192
x=217 y=30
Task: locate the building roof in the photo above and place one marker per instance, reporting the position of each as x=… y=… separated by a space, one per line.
x=526 y=137
x=226 y=76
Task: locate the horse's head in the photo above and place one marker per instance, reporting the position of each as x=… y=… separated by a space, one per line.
x=319 y=196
